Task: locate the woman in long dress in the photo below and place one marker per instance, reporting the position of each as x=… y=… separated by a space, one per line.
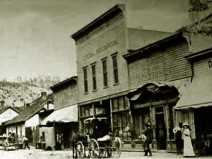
x=188 y=148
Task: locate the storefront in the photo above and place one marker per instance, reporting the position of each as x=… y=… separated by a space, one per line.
x=196 y=104
x=154 y=103
x=197 y=99
x=57 y=128
x=115 y=109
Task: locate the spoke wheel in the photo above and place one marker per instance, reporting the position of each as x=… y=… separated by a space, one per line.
x=116 y=147
x=80 y=150
x=94 y=148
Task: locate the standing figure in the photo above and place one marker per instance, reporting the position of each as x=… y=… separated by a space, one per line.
x=188 y=148
x=178 y=138
x=148 y=142
x=26 y=142
x=74 y=140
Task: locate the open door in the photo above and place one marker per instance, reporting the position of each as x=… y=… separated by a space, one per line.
x=161 y=135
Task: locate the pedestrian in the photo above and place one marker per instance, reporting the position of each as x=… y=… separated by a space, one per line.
x=205 y=144
x=26 y=142
x=178 y=138
x=74 y=140
x=188 y=148
x=6 y=143
x=148 y=142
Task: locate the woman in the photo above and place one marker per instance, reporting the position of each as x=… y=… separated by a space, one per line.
x=188 y=149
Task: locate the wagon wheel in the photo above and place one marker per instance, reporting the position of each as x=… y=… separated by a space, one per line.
x=116 y=152
x=79 y=149
x=94 y=148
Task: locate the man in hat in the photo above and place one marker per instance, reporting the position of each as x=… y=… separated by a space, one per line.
x=148 y=142
x=178 y=138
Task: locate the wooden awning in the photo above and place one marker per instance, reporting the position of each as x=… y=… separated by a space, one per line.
x=198 y=94
x=64 y=115
x=153 y=87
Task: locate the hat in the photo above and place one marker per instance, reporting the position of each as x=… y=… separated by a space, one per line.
x=185 y=124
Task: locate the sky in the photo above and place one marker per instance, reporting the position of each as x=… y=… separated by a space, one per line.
x=35 y=35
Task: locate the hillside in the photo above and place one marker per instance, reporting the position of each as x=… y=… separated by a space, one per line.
x=18 y=94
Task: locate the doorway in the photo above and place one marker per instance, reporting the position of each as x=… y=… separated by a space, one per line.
x=160 y=130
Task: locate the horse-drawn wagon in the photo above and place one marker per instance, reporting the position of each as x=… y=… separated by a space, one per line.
x=97 y=140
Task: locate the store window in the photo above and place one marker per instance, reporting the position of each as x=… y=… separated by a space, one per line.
x=121 y=125
x=121 y=118
x=120 y=103
x=86 y=111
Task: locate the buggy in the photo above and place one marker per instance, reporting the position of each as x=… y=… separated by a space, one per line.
x=97 y=140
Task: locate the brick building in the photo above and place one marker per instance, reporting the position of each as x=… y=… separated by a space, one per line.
x=158 y=74
x=102 y=70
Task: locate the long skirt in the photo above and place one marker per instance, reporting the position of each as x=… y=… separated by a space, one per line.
x=188 y=148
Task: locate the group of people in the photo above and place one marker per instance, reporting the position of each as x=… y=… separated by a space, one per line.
x=183 y=140
x=12 y=138
x=182 y=135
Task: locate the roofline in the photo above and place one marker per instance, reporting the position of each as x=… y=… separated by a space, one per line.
x=58 y=85
x=202 y=53
x=151 y=30
x=35 y=112
x=12 y=109
x=24 y=120
x=40 y=108
x=94 y=22
x=14 y=122
x=152 y=45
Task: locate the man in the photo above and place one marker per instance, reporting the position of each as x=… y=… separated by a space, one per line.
x=148 y=142
x=178 y=138
x=74 y=141
x=26 y=142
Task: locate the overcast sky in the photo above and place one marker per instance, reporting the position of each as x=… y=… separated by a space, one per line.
x=35 y=34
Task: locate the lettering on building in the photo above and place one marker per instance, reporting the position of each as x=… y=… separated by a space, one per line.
x=108 y=45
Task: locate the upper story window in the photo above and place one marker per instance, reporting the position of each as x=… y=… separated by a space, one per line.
x=85 y=72
x=93 y=67
x=115 y=68
x=104 y=67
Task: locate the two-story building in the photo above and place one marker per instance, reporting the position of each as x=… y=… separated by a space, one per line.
x=158 y=75
x=102 y=70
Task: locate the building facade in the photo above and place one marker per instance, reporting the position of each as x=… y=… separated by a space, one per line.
x=158 y=74
x=28 y=121
x=197 y=97
x=60 y=124
x=102 y=71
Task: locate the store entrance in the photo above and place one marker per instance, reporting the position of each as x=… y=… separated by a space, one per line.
x=160 y=130
x=202 y=118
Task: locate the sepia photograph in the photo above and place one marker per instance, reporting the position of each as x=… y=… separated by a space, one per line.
x=105 y=79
